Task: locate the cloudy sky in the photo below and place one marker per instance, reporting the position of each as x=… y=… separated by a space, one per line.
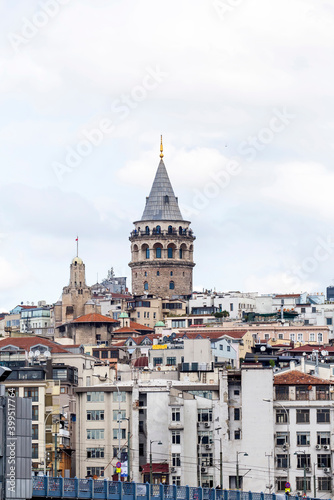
x=242 y=91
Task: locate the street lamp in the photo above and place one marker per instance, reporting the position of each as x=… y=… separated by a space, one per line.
x=237 y=466
x=220 y=458
x=296 y=453
x=151 y=469
x=53 y=412
x=287 y=429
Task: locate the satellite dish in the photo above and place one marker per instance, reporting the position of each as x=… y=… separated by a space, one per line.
x=324 y=353
x=37 y=353
x=47 y=354
x=262 y=348
x=31 y=354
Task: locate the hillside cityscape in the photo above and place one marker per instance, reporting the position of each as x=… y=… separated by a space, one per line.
x=162 y=383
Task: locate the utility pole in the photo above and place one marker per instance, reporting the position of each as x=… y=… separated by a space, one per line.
x=56 y=465
x=221 y=464
x=314 y=483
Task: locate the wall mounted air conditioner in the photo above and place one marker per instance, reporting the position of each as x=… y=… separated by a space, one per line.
x=318 y=447
x=307 y=469
x=173 y=470
x=207 y=424
x=326 y=469
x=326 y=447
x=204 y=470
x=207 y=447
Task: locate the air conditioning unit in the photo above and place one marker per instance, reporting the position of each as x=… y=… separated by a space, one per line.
x=307 y=469
x=318 y=447
x=173 y=470
x=326 y=469
x=207 y=447
x=299 y=493
x=326 y=447
x=204 y=470
x=207 y=425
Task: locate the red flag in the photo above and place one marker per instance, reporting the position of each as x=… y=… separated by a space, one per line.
x=76 y=239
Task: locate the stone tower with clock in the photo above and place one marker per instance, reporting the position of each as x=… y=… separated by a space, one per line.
x=162 y=244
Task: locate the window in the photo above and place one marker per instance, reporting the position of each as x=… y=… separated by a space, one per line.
x=329 y=321
x=302 y=416
x=88 y=381
x=322 y=392
x=236 y=392
x=204 y=415
x=158 y=273
x=158 y=253
x=171 y=285
x=180 y=253
x=176 y=415
x=176 y=437
x=121 y=395
x=231 y=306
x=302 y=393
x=303 y=460
x=157 y=361
x=323 y=438
x=31 y=393
x=237 y=434
x=302 y=310
x=292 y=336
x=145 y=273
x=34 y=447
x=170 y=253
x=104 y=354
x=95 y=452
x=95 y=414
x=303 y=439
x=119 y=415
x=171 y=361
x=141 y=449
x=170 y=229
x=282 y=392
x=282 y=438
x=95 y=433
x=319 y=337
x=147 y=253
x=154 y=315
x=176 y=459
x=300 y=483
x=35 y=413
x=312 y=337
x=300 y=337
x=158 y=229
x=147 y=230
x=95 y=471
x=145 y=285
x=236 y=413
x=95 y=396
x=324 y=484
x=282 y=461
x=280 y=482
x=176 y=480
x=115 y=433
x=34 y=429
x=324 y=460
x=282 y=416
x=323 y=416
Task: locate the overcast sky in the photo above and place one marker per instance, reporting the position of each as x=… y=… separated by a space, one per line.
x=242 y=91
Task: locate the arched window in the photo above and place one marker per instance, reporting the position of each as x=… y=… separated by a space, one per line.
x=171 y=285
x=145 y=285
x=180 y=230
x=147 y=253
x=170 y=253
x=158 y=229
x=181 y=253
x=158 y=253
x=171 y=273
x=147 y=230
x=145 y=273
x=170 y=229
x=158 y=273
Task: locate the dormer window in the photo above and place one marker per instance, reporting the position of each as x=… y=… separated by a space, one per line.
x=166 y=199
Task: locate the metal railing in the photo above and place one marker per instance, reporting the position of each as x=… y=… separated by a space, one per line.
x=58 y=487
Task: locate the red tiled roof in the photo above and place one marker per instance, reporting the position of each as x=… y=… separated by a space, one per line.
x=94 y=318
x=141 y=362
x=212 y=334
x=298 y=378
x=138 y=326
x=26 y=343
x=295 y=295
x=309 y=348
x=126 y=329
x=156 y=468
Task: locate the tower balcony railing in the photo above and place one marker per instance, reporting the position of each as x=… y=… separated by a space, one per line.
x=188 y=233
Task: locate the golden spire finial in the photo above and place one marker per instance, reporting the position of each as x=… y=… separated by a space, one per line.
x=161 y=149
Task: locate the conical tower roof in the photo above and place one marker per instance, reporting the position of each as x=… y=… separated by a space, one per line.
x=162 y=203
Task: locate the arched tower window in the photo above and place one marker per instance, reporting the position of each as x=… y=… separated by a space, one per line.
x=145 y=285
x=171 y=285
x=181 y=253
x=180 y=230
x=147 y=230
x=158 y=229
x=170 y=229
x=158 y=252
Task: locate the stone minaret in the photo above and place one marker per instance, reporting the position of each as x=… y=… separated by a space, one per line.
x=162 y=243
